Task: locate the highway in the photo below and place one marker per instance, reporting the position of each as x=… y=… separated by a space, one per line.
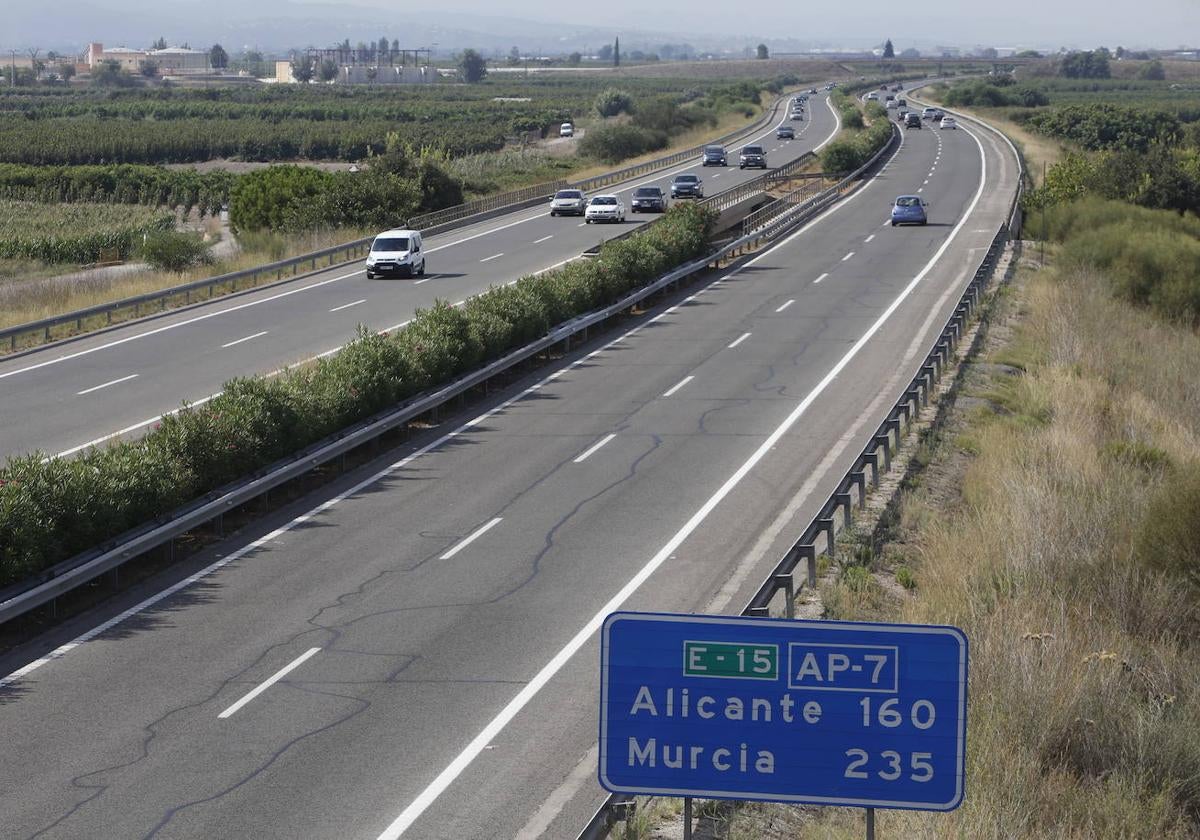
x=413 y=653
x=65 y=397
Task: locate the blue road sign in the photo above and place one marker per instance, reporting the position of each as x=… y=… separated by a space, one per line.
x=827 y=712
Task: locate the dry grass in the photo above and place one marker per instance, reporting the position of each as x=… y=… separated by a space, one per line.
x=1085 y=688
x=42 y=297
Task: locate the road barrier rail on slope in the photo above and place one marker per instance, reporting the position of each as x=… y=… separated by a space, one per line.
x=837 y=513
x=101 y=316
x=45 y=587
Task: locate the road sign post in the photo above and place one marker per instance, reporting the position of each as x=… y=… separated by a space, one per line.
x=822 y=712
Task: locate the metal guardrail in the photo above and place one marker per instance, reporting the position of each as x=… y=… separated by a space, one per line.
x=18 y=599
x=852 y=488
x=102 y=315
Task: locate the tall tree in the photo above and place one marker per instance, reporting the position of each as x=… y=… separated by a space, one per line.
x=473 y=66
x=888 y=50
x=218 y=58
x=761 y=52
x=396 y=46
x=160 y=44
x=384 y=46
x=328 y=70
x=303 y=68
x=617 y=52
x=514 y=57
x=605 y=52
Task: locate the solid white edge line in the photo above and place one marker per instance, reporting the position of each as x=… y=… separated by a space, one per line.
x=106 y=384
x=785 y=306
x=176 y=325
x=671 y=391
x=470 y=539
x=410 y=814
x=241 y=340
x=85 y=637
x=270 y=681
x=591 y=450
x=136 y=426
x=347 y=305
x=444 y=779
x=738 y=340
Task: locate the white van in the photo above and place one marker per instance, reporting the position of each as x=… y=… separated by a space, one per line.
x=396 y=252
x=566 y=130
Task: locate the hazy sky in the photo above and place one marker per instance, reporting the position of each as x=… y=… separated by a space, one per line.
x=921 y=23
x=1165 y=23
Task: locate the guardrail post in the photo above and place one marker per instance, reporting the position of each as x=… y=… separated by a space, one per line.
x=808 y=552
x=826 y=525
x=884 y=442
x=858 y=478
x=846 y=503
x=787 y=583
x=872 y=458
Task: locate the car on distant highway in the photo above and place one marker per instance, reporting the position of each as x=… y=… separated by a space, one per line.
x=687 y=185
x=752 y=157
x=714 y=156
x=797 y=114
x=909 y=210
x=902 y=102
x=901 y=115
x=813 y=91
x=604 y=208
x=785 y=132
x=938 y=114
x=873 y=96
x=912 y=120
x=396 y=251
x=928 y=113
x=568 y=203
x=648 y=200
x=891 y=105
x=566 y=130
x=949 y=122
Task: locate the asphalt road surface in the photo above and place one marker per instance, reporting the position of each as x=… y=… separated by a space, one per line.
x=63 y=398
x=414 y=653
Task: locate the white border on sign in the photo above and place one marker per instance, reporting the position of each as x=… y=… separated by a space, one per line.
x=736 y=621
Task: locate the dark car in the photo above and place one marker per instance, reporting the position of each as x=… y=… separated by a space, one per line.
x=687 y=186
x=714 y=156
x=648 y=200
x=912 y=120
x=752 y=157
x=785 y=132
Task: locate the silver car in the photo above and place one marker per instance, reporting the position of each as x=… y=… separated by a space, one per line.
x=568 y=203
x=605 y=208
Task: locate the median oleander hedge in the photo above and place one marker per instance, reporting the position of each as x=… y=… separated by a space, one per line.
x=54 y=509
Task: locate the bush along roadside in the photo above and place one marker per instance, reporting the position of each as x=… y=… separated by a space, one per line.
x=848 y=153
x=53 y=509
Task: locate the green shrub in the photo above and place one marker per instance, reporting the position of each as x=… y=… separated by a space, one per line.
x=171 y=250
x=51 y=509
x=611 y=101
x=615 y=143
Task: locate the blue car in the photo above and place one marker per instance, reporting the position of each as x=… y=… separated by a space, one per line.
x=909 y=210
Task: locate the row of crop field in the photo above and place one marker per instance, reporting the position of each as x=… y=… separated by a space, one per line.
x=53 y=508
x=305 y=122
x=154 y=186
x=74 y=233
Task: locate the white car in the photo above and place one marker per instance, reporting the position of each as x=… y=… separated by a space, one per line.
x=604 y=208
x=566 y=130
x=949 y=122
x=396 y=252
x=568 y=203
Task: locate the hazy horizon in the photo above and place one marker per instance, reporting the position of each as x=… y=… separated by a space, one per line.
x=542 y=25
